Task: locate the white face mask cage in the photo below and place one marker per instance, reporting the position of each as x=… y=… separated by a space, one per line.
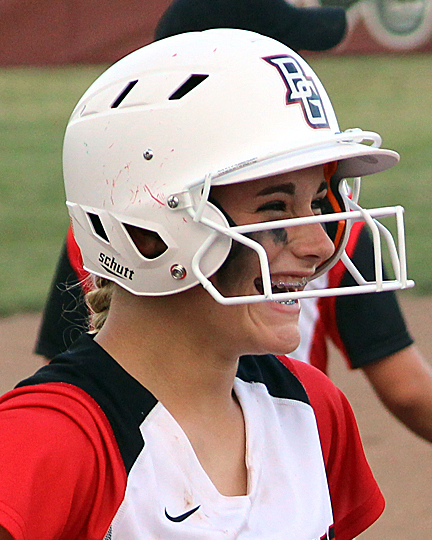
x=350 y=198
x=397 y=254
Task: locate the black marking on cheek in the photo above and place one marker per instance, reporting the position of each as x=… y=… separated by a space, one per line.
x=280 y=236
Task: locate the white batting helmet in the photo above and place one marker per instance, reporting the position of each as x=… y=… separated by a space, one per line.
x=154 y=132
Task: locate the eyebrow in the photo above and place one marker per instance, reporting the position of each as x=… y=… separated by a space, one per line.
x=289 y=188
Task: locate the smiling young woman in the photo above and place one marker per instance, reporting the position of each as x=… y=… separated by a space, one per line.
x=204 y=177
x=294 y=254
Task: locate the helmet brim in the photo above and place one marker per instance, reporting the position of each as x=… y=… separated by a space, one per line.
x=353 y=159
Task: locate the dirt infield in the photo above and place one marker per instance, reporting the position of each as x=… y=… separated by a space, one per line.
x=401 y=461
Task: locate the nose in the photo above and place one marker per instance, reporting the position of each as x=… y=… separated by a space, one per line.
x=311 y=244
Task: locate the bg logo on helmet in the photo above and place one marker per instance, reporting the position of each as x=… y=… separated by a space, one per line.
x=301 y=89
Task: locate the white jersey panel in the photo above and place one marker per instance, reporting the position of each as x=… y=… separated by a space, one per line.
x=169 y=495
x=309 y=315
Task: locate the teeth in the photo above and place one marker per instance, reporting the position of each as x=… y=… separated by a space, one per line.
x=287 y=302
x=280 y=286
x=289 y=285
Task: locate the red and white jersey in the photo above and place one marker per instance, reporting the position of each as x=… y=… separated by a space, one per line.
x=89 y=453
x=288 y=497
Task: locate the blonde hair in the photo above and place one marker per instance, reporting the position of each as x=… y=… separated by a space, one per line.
x=99 y=300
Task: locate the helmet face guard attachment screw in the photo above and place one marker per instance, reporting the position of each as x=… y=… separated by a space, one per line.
x=178 y=271
x=148 y=154
x=172 y=201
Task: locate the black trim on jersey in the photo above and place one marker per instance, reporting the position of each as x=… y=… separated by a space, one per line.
x=369 y=339
x=124 y=401
x=267 y=369
x=65 y=316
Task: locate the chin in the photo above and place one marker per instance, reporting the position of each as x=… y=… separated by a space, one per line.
x=274 y=332
x=286 y=346
x=279 y=341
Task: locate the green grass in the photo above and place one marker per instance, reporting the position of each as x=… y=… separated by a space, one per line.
x=35 y=106
x=390 y=95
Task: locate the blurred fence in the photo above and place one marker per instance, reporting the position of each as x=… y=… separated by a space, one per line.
x=379 y=26
x=57 y=32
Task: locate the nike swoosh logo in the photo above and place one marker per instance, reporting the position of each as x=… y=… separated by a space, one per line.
x=182 y=517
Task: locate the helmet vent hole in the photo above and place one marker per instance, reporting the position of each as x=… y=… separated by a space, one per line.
x=188 y=86
x=121 y=97
x=148 y=243
x=98 y=226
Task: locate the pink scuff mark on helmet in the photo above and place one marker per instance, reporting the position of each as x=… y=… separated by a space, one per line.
x=152 y=196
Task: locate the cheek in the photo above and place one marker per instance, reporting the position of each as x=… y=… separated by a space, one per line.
x=243 y=262
x=240 y=263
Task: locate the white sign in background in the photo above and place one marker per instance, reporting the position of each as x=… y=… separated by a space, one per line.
x=397 y=25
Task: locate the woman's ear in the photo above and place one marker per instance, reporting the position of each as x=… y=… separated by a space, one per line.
x=148 y=243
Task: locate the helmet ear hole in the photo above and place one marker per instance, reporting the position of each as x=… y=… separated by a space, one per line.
x=148 y=243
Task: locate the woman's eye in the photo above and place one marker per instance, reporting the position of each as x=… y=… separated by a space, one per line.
x=273 y=206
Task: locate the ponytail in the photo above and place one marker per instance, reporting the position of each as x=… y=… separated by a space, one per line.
x=99 y=300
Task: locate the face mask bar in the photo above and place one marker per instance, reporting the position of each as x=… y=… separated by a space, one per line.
x=398 y=258
x=201 y=188
x=356 y=213
x=369 y=216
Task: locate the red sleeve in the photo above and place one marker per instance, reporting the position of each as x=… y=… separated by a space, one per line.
x=61 y=472
x=356 y=498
